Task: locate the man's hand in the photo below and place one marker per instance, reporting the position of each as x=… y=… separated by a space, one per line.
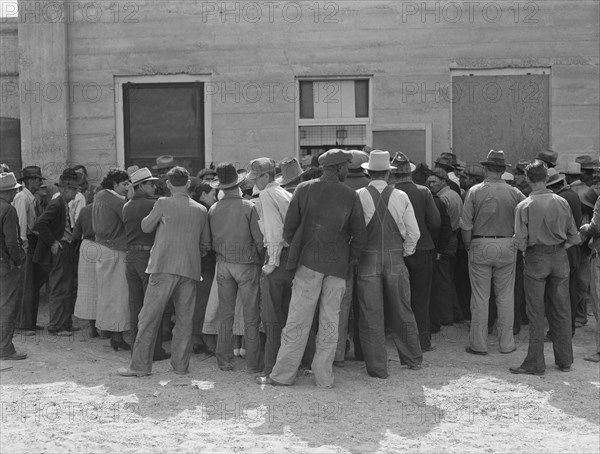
x=268 y=269
x=56 y=246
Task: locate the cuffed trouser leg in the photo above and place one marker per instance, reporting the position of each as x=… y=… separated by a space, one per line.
x=371 y=324
x=11 y=280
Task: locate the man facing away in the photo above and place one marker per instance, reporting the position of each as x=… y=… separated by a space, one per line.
x=419 y=264
x=139 y=245
x=382 y=275
x=182 y=237
x=12 y=257
x=544 y=229
x=238 y=242
x=276 y=286
x=326 y=231
x=487 y=225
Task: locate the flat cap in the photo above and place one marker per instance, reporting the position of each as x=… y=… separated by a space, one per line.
x=334 y=157
x=358 y=158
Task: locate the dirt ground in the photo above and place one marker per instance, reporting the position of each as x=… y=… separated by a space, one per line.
x=68 y=397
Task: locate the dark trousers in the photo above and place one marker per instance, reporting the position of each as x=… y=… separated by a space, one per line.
x=137 y=282
x=202 y=293
x=34 y=277
x=276 y=292
x=420 y=269
x=443 y=293
x=11 y=280
x=574 y=254
x=60 y=284
x=547 y=270
x=462 y=283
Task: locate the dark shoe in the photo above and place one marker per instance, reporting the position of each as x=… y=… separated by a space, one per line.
x=127 y=372
x=579 y=324
x=178 y=372
x=39 y=328
x=520 y=370
x=227 y=368
x=121 y=344
x=474 y=352
x=429 y=349
x=16 y=356
x=415 y=367
x=338 y=363
x=548 y=337
x=94 y=333
x=564 y=368
x=383 y=377
x=25 y=332
x=162 y=356
x=73 y=329
x=516 y=331
x=595 y=358
x=267 y=380
x=514 y=349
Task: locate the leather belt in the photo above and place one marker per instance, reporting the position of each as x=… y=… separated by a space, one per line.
x=482 y=236
x=138 y=247
x=548 y=249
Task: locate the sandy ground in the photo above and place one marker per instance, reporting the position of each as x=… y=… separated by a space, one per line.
x=68 y=397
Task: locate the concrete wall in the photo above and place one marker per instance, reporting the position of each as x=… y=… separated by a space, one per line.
x=399 y=43
x=9 y=69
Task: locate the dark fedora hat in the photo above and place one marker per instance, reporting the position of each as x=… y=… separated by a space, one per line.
x=446 y=161
x=402 y=164
x=587 y=162
x=548 y=156
x=31 y=172
x=228 y=176
x=520 y=169
x=495 y=158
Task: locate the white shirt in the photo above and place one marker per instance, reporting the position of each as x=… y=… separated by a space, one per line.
x=75 y=206
x=24 y=203
x=272 y=205
x=401 y=210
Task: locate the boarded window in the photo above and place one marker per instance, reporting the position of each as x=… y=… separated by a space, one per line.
x=334 y=99
x=164 y=119
x=508 y=112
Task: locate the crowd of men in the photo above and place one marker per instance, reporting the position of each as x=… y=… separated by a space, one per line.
x=317 y=265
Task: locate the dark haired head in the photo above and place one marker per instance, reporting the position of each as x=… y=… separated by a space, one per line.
x=537 y=171
x=80 y=167
x=114 y=176
x=178 y=176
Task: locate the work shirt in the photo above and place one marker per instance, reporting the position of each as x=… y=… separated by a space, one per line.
x=399 y=207
x=544 y=218
x=24 y=203
x=134 y=211
x=454 y=205
x=75 y=206
x=272 y=206
x=489 y=209
x=426 y=212
x=236 y=235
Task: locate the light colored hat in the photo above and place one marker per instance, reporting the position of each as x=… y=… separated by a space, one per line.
x=291 y=171
x=573 y=168
x=141 y=176
x=164 y=162
x=507 y=176
x=132 y=169
x=379 y=161
x=8 y=181
x=259 y=167
x=553 y=177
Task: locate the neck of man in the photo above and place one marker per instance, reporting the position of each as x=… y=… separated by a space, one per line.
x=539 y=186
x=179 y=190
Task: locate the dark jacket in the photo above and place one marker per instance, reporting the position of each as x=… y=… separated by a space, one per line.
x=134 y=211
x=51 y=227
x=325 y=227
x=11 y=251
x=442 y=240
x=427 y=214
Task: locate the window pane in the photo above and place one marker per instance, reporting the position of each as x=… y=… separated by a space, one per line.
x=306 y=100
x=361 y=98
